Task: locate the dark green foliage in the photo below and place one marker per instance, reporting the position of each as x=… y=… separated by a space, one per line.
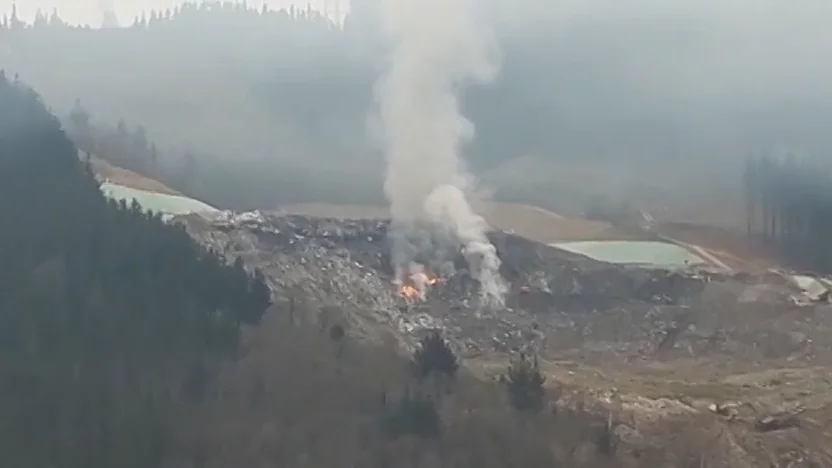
x=524 y=383
x=107 y=314
x=789 y=204
x=415 y=415
x=434 y=356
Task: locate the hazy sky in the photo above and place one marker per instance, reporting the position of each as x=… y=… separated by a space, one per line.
x=723 y=71
x=89 y=11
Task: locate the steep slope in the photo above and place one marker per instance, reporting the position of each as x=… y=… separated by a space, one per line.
x=123 y=185
x=108 y=172
x=109 y=317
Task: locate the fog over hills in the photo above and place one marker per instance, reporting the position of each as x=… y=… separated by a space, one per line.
x=687 y=86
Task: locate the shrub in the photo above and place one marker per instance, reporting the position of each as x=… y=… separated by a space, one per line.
x=524 y=383
x=434 y=356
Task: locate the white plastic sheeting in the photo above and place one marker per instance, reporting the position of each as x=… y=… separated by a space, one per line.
x=813 y=289
x=156 y=202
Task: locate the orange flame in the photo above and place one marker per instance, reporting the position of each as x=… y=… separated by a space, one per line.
x=410 y=293
x=414 y=288
x=422 y=278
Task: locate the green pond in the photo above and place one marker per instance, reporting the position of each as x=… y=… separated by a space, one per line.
x=651 y=253
x=157 y=202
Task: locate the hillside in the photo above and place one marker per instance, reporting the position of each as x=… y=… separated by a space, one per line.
x=106 y=171
x=108 y=317
x=122 y=343
x=652 y=348
x=629 y=353
x=724 y=359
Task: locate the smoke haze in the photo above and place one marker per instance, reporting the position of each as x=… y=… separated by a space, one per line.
x=437 y=48
x=648 y=100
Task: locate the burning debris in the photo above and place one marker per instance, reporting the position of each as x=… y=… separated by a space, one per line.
x=415 y=286
x=557 y=303
x=553 y=298
x=424 y=132
x=595 y=320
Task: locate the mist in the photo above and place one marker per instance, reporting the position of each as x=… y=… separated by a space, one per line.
x=276 y=104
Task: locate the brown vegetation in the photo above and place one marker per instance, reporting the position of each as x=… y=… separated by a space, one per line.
x=300 y=398
x=734 y=248
x=108 y=172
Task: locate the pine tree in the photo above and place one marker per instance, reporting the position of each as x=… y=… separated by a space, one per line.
x=524 y=383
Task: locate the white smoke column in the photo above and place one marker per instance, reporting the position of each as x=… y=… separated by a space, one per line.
x=438 y=48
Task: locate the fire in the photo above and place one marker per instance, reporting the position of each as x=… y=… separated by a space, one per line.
x=423 y=278
x=410 y=293
x=415 y=286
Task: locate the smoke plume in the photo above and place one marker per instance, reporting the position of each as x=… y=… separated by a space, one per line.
x=438 y=48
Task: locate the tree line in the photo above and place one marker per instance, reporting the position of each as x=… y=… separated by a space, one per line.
x=109 y=317
x=789 y=204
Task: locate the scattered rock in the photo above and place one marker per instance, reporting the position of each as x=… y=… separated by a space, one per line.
x=558 y=302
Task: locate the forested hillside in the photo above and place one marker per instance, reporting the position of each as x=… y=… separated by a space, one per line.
x=109 y=318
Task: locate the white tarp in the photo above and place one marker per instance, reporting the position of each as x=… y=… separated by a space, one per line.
x=814 y=289
x=156 y=202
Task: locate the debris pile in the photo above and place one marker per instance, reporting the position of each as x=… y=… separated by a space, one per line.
x=557 y=301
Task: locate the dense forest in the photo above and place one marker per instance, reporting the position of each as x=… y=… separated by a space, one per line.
x=108 y=316
x=789 y=204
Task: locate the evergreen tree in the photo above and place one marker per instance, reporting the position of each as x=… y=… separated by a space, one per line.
x=794 y=199
x=107 y=315
x=435 y=356
x=524 y=383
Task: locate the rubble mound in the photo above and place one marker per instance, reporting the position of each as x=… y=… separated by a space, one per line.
x=655 y=347
x=557 y=300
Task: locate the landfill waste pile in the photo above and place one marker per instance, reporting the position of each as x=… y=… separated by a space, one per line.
x=728 y=359
x=559 y=303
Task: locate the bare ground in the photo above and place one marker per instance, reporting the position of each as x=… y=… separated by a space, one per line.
x=772 y=401
x=730 y=245
x=106 y=171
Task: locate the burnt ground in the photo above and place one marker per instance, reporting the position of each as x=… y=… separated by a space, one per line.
x=652 y=347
